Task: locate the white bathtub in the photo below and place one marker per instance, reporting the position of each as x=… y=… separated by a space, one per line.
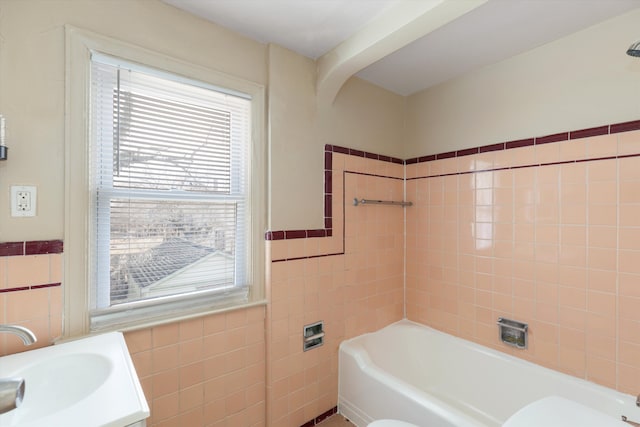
x=414 y=373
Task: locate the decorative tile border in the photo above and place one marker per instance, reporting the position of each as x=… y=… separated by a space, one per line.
x=530 y=165
x=556 y=137
x=27 y=288
x=321 y=418
x=37 y=247
x=299 y=234
x=330 y=149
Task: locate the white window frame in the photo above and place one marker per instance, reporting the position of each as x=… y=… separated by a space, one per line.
x=79 y=46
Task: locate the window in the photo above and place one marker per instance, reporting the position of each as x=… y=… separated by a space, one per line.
x=172 y=207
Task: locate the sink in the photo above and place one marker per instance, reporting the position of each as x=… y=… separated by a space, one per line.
x=87 y=382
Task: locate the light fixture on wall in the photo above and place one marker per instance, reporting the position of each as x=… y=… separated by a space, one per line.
x=3 y=147
x=634 y=49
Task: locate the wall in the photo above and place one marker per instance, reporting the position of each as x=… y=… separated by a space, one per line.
x=32 y=75
x=552 y=245
x=363 y=116
x=30 y=292
x=352 y=280
x=208 y=371
x=336 y=263
x=211 y=371
x=546 y=234
x=576 y=82
x=330 y=260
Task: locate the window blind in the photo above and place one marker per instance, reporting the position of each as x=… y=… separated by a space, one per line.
x=169 y=182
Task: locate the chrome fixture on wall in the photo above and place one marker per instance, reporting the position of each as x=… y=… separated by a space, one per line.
x=313 y=336
x=513 y=333
x=634 y=49
x=357 y=202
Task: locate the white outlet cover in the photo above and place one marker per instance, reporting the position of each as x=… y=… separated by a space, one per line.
x=29 y=208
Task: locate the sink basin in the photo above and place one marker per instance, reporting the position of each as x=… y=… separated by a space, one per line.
x=90 y=381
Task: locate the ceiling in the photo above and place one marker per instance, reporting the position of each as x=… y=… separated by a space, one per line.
x=492 y=31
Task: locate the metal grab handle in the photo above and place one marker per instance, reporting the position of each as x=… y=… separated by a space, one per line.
x=504 y=324
x=314 y=337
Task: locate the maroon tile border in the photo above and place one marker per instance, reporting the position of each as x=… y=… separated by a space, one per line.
x=447 y=155
x=22 y=288
x=556 y=137
x=330 y=149
x=492 y=147
x=586 y=133
x=519 y=143
x=625 y=127
x=11 y=248
x=320 y=418
x=27 y=288
x=43 y=247
x=36 y=247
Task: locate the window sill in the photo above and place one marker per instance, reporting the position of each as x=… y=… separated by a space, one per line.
x=174 y=317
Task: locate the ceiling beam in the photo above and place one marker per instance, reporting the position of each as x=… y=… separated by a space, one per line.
x=404 y=23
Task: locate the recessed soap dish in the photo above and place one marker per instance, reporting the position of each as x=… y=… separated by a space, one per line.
x=513 y=333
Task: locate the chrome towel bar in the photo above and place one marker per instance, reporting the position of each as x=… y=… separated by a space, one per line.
x=357 y=202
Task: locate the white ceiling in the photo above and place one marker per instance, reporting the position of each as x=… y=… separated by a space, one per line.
x=490 y=33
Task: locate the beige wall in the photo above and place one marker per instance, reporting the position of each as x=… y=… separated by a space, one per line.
x=32 y=100
x=295 y=153
x=32 y=73
x=580 y=81
x=363 y=116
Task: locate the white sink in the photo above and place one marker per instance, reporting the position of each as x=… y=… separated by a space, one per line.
x=88 y=382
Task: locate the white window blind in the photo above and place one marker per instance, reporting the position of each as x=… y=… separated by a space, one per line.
x=169 y=184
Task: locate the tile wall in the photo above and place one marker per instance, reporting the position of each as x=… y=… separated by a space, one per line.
x=225 y=369
x=351 y=280
x=208 y=371
x=30 y=292
x=545 y=231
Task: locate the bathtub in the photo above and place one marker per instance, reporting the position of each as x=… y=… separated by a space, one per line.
x=413 y=373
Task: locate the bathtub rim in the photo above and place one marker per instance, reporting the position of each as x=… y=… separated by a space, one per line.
x=623 y=403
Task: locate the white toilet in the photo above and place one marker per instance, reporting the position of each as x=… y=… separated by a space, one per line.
x=391 y=423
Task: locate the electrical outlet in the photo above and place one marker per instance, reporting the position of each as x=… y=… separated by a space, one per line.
x=23 y=200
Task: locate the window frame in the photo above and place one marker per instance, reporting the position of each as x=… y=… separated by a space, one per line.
x=80 y=44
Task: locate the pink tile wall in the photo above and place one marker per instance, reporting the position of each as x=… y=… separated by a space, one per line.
x=352 y=280
x=208 y=371
x=30 y=292
x=548 y=234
